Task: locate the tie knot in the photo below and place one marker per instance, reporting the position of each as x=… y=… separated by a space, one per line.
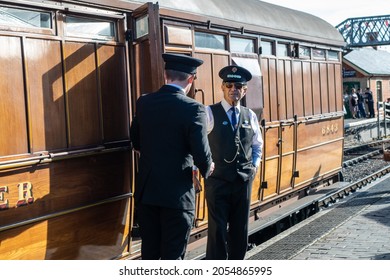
x=233 y=109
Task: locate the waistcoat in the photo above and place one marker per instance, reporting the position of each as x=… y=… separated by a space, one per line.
x=231 y=151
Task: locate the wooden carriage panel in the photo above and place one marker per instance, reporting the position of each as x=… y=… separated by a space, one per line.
x=338 y=88
x=286 y=172
x=273 y=95
x=311 y=166
x=219 y=61
x=96 y=233
x=281 y=90
x=271 y=177
x=112 y=73
x=266 y=89
x=256 y=191
x=82 y=94
x=315 y=133
x=63 y=185
x=46 y=95
x=271 y=148
x=297 y=88
x=204 y=79
x=324 y=88
x=289 y=90
x=287 y=138
x=13 y=122
x=316 y=88
x=332 y=89
x=307 y=89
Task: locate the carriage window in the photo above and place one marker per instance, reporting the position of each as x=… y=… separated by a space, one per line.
x=333 y=55
x=141 y=26
x=318 y=54
x=89 y=28
x=24 y=18
x=210 y=41
x=283 y=50
x=304 y=52
x=266 y=48
x=242 y=45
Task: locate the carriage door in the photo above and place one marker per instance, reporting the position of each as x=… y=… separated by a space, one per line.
x=145 y=50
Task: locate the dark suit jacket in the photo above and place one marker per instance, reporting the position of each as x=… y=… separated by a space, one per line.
x=169 y=130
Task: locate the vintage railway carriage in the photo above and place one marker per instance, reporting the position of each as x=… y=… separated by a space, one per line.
x=70 y=72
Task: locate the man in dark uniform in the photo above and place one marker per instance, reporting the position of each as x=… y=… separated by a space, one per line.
x=236 y=144
x=169 y=131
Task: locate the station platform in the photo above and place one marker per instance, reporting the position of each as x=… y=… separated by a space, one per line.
x=356 y=228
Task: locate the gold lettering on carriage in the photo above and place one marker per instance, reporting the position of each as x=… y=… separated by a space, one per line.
x=3 y=201
x=330 y=129
x=25 y=195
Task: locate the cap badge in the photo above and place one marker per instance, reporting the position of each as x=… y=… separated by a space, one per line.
x=234 y=69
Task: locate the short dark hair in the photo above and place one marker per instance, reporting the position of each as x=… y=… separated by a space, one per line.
x=176 y=75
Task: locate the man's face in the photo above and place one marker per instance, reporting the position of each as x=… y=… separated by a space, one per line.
x=233 y=92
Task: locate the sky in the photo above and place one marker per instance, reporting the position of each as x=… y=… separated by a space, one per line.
x=336 y=11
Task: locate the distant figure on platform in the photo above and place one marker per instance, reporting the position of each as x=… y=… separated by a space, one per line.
x=362 y=110
x=353 y=104
x=370 y=103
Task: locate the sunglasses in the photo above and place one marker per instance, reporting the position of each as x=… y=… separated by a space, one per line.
x=236 y=85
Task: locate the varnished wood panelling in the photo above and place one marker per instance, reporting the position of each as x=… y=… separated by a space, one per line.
x=46 y=95
x=316 y=88
x=307 y=88
x=310 y=165
x=271 y=176
x=82 y=94
x=13 y=122
x=142 y=71
x=205 y=79
x=95 y=234
x=310 y=134
x=332 y=89
x=219 y=61
x=66 y=184
x=112 y=70
x=271 y=144
x=287 y=138
x=338 y=88
x=281 y=90
x=266 y=89
x=286 y=172
x=297 y=88
x=273 y=90
x=324 y=88
x=289 y=91
x=255 y=195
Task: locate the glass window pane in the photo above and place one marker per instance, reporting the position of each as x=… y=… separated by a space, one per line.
x=304 y=52
x=318 y=54
x=24 y=18
x=333 y=55
x=141 y=26
x=266 y=48
x=90 y=28
x=283 y=50
x=210 y=41
x=242 y=45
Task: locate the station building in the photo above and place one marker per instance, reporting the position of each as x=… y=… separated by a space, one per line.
x=367 y=67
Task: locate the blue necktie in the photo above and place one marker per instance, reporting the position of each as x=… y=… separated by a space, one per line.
x=234 y=117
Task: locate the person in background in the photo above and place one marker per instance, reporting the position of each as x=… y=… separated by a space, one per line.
x=236 y=144
x=353 y=103
x=169 y=132
x=361 y=109
x=370 y=103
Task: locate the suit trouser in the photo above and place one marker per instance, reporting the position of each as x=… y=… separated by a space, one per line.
x=228 y=213
x=164 y=231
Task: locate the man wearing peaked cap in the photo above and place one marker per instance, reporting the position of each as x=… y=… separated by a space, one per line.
x=236 y=145
x=169 y=132
x=235 y=74
x=182 y=63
